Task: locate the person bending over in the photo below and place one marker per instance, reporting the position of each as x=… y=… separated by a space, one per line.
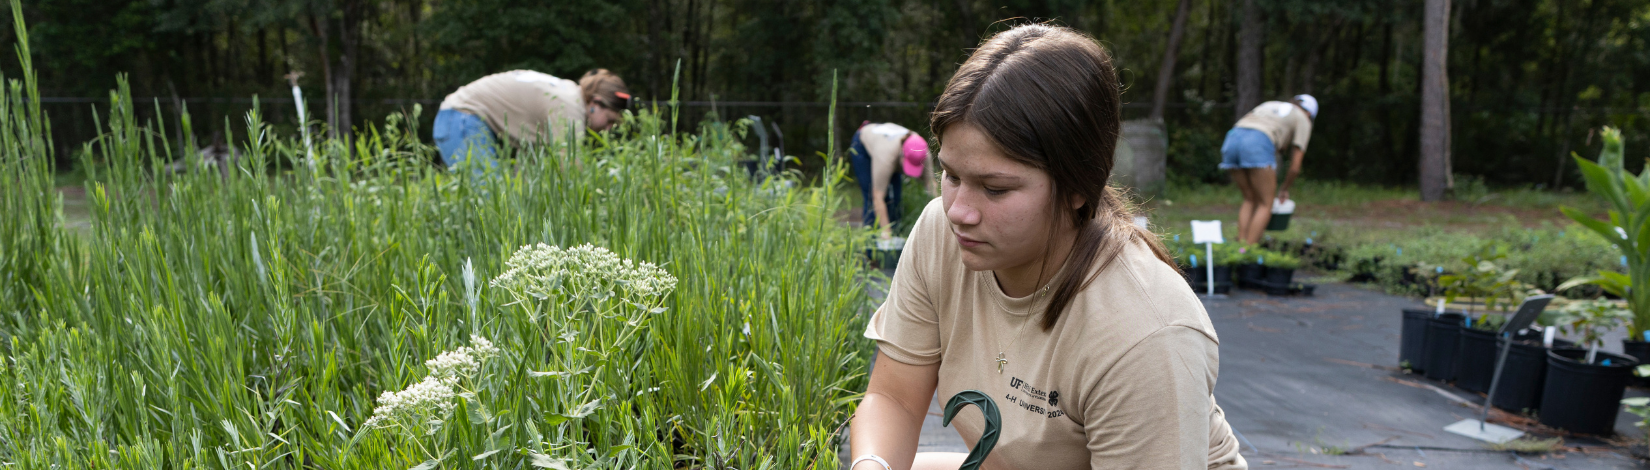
x=531 y=108
x=878 y=154
x=1250 y=155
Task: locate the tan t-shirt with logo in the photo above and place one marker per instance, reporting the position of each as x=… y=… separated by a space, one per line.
x=1123 y=380
x=523 y=105
x=1283 y=122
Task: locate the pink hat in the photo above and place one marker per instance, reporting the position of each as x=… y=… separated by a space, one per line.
x=916 y=154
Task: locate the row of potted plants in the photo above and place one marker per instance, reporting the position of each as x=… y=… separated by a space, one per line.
x=1243 y=265
x=1573 y=385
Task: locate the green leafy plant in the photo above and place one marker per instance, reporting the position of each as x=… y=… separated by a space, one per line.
x=1490 y=322
x=1591 y=319
x=1232 y=254
x=1628 y=226
x=1484 y=280
x=1280 y=260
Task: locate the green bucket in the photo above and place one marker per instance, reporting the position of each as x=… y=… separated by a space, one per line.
x=1281 y=210
x=1279 y=222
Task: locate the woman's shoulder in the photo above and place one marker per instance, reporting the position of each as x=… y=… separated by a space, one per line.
x=931 y=233
x=1140 y=294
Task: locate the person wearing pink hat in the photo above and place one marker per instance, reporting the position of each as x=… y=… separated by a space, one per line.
x=879 y=154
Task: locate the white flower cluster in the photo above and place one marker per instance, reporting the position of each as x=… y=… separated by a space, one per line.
x=541 y=269
x=429 y=401
x=464 y=361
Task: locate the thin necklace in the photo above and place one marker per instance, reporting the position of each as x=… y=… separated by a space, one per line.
x=1002 y=357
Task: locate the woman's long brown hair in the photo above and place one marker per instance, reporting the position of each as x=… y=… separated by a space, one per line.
x=1048 y=97
x=600 y=87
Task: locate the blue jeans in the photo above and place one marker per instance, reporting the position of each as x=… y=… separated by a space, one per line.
x=861 y=162
x=1247 y=148
x=462 y=137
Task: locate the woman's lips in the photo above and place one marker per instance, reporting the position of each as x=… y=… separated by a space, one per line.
x=967 y=242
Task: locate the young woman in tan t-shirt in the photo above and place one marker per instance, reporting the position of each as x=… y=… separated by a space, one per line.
x=1028 y=281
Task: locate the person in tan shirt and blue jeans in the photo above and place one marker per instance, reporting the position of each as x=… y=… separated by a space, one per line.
x=1027 y=280
x=530 y=108
x=1250 y=154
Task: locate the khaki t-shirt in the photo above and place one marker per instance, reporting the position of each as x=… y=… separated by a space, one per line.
x=523 y=105
x=1284 y=123
x=1123 y=380
x=885 y=143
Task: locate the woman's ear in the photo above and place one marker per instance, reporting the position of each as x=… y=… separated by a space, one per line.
x=1078 y=201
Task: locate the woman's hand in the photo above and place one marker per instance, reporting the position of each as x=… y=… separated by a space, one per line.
x=889 y=419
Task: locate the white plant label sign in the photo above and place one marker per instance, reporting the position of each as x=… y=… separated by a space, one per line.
x=1206 y=231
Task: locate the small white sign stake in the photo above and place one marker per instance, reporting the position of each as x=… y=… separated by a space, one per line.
x=1492 y=433
x=1207 y=232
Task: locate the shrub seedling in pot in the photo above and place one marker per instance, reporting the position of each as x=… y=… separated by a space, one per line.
x=1591 y=319
x=1485 y=280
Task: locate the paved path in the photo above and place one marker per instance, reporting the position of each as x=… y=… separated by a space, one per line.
x=1293 y=388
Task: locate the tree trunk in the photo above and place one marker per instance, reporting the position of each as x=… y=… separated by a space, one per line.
x=655 y=54
x=1435 y=102
x=349 y=40
x=318 y=27
x=1165 y=72
x=1203 y=57
x=1250 y=36
x=1150 y=149
x=967 y=15
x=1384 y=84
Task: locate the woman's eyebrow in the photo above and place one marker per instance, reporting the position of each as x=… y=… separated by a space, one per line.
x=995 y=175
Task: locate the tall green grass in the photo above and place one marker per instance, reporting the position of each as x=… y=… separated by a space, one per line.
x=251 y=321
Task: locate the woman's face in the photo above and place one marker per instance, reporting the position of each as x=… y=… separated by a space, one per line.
x=599 y=118
x=1000 y=209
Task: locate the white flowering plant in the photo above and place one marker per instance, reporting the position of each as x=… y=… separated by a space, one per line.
x=591 y=307
x=423 y=408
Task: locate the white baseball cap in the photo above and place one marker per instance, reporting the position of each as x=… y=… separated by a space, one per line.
x=1309 y=103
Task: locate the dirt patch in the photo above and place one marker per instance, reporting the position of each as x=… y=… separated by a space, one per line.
x=1404 y=213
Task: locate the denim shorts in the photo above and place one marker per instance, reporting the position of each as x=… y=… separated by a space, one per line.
x=1247 y=148
x=461 y=136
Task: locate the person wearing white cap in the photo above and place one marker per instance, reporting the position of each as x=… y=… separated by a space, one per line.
x=1250 y=154
x=878 y=154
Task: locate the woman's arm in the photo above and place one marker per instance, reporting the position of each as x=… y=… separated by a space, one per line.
x=889 y=418
x=880 y=206
x=1295 y=155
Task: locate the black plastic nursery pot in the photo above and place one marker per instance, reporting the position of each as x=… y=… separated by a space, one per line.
x=1584 y=398
x=1198 y=278
x=1278 y=280
x=1443 y=338
x=883 y=259
x=1640 y=350
x=1248 y=275
x=1525 y=373
x=1412 y=338
x=1475 y=360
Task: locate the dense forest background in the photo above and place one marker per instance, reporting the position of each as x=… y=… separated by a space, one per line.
x=1530 y=80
